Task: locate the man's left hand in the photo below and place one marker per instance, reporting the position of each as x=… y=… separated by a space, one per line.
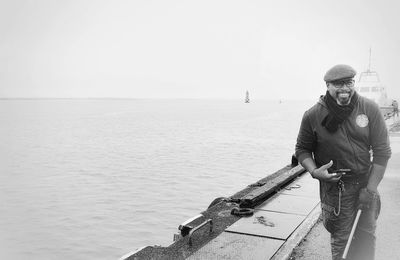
x=366 y=197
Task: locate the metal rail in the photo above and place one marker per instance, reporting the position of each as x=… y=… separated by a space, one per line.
x=198 y=227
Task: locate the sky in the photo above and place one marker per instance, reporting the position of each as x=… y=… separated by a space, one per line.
x=192 y=49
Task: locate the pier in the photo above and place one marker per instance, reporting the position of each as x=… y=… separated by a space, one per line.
x=266 y=220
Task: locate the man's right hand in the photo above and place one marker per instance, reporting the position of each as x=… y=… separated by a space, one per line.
x=322 y=173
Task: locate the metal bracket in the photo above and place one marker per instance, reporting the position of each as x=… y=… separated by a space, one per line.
x=185 y=228
x=198 y=227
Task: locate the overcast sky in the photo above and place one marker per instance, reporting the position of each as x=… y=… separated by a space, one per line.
x=192 y=49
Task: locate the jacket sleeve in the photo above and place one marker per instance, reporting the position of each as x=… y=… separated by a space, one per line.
x=379 y=138
x=305 y=140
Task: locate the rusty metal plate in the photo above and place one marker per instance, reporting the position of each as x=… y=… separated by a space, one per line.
x=267 y=224
x=235 y=246
x=300 y=205
x=303 y=186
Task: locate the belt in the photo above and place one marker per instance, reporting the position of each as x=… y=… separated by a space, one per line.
x=355 y=178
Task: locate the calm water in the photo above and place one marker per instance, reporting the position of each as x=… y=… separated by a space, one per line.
x=95 y=179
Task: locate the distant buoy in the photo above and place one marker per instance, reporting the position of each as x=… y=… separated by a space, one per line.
x=247 y=100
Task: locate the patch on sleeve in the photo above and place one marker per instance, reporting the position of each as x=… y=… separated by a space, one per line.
x=362 y=120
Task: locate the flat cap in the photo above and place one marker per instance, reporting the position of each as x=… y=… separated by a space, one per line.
x=338 y=72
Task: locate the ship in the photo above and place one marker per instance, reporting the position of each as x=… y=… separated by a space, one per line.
x=370 y=86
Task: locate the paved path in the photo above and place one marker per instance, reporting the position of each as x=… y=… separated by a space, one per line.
x=315 y=245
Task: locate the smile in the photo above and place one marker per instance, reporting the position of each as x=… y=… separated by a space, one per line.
x=343 y=95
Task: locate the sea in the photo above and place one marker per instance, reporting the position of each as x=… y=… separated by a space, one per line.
x=98 y=178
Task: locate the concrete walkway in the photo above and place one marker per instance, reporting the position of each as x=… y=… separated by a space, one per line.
x=316 y=245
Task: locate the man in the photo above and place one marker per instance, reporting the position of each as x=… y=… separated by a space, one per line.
x=395 y=108
x=343 y=142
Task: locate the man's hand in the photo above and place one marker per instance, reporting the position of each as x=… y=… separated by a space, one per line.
x=366 y=197
x=322 y=173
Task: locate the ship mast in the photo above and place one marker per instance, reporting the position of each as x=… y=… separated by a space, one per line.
x=369 y=62
x=368 y=72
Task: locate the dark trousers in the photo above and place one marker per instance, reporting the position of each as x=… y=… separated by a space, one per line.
x=338 y=219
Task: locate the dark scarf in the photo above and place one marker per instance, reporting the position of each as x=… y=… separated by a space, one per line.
x=337 y=114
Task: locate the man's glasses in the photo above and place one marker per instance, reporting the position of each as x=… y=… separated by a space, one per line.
x=342 y=84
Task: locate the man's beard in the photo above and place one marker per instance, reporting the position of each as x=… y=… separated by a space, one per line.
x=343 y=98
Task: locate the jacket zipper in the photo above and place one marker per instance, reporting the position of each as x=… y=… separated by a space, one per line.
x=352 y=147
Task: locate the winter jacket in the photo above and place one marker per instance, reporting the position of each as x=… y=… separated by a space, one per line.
x=361 y=137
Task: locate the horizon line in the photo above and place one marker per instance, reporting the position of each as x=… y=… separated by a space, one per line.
x=132 y=98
